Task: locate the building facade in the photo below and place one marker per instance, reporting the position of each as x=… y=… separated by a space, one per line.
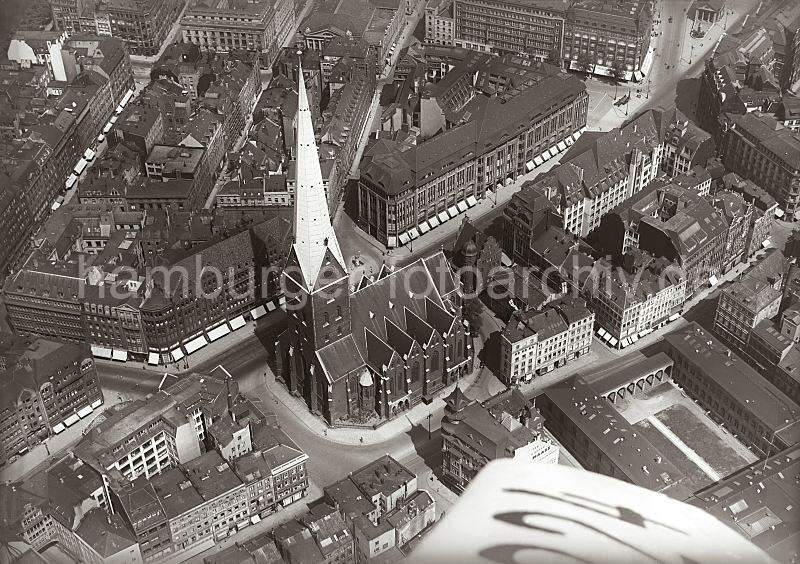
x=609 y=35
x=474 y=434
x=760 y=149
x=506 y=26
x=47 y=386
x=258 y=26
x=753 y=409
x=536 y=342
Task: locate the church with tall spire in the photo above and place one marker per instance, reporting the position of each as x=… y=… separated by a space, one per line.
x=369 y=349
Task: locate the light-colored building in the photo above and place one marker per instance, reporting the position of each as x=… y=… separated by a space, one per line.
x=504 y=426
x=439 y=22
x=536 y=342
x=631 y=301
x=749 y=301
x=253 y=26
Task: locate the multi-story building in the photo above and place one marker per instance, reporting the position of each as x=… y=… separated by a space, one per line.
x=107 y=56
x=773 y=351
x=252 y=26
x=536 y=28
x=688 y=230
x=405 y=193
x=338 y=330
x=736 y=80
x=147 y=437
x=609 y=34
x=67 y=504
x=738 y=216
x=165 y=163
x=439 y=22
x=474 y=434
x=15 y=225
x=755 y=297
x=756 y=411
x=478 y=254
x=740 y=502
x=631 y=300
x=600 y=438
x=143 y=26
x=536 y=342
x=46 y=386
x=762 y=150
x=590 y=182
x=685 y=146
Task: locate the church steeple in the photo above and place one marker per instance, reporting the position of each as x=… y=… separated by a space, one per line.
x=313 y=231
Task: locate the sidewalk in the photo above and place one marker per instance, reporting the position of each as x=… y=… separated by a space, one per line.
x=206 y=354
x=417 y=415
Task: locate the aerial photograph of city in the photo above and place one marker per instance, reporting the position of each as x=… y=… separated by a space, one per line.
x=376 y=281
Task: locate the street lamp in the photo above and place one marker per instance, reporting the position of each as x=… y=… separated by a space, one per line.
x=429 y=426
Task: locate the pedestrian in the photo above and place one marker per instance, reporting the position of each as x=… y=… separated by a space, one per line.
x=362 y=440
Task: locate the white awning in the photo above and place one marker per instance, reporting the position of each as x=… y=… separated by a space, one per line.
x=674 y=316
x=119 y=355
x=55 y=206
x=713 y=280
x=505 y=260
x=462 y=206
x=434 y=222
x=113 y=120
x=499 y=185
x=119 y=109
x=108 y=127
x=71 y=181
x=612 y=341
x=779 y=212
x=153 y=358
x=602 y=332
x=391 y=242
x=127 y=98
x=177 y=354
x=282 y=300
x=81 y=166
x=271 y=306
x=452 y=211
x=258 y=312
x=404 y=238
x=424 y=227
x=624 y=343
x=561 y=146
x=195 y=344
x=570 y=140
x=255 y=519
x=545 y=156
x=766 y=243
x=443 y=216
x=84 y=411
x=634 y=338
x=413 y=233
x=97 y=403
x=71 y=420
x=218 y=332
x=89 y=154
x=237 y=322
x=538 y=161
x=58 y=427
x=101 y=352
x=529 y=165
x=645 y=332
x=471 y=201
x=637 y=76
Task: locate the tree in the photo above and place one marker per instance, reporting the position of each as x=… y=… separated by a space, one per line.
x=472 y=312
x=618 y=73
x=585 y=63
x=554 y=58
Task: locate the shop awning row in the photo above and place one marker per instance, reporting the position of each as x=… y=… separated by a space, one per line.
x=71 y=181
x=101 y=352
x=218 y=332
x=195 y=344
x=258 y=312
x=613 y=341
x=177 y=354
x=237 y=322
x=462 y=206
x=471 y=201
x=107 y=128
x=271 y=306
x=404 y=239
x=120 y=355
x=434 y=222
x=81 y=166
x=602 y=333
x=71 y=420
x=153 y=358
x=97 y=403
x=424 y=227
x=530 y=165
x=84 y=411
x=58 y=427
